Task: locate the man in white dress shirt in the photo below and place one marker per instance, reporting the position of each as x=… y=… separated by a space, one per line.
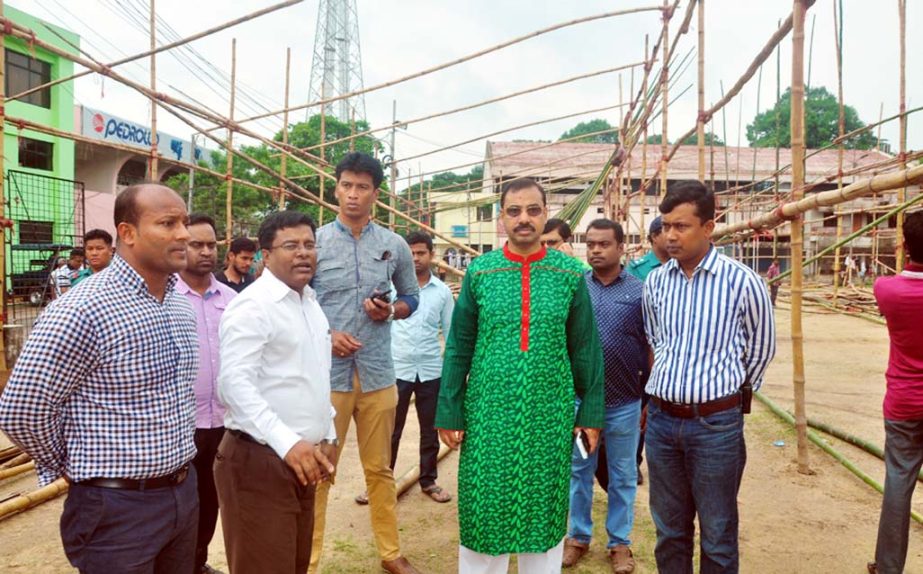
x=275 y=381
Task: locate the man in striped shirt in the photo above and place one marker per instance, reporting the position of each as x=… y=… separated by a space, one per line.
x=709 y=322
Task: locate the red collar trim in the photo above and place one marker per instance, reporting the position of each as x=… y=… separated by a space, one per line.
x=915 y=267
x=538 y=255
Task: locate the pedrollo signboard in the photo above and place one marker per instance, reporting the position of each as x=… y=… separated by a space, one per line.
x=102 y=126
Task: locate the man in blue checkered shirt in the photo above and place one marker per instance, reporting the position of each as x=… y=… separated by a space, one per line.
x=102 y=396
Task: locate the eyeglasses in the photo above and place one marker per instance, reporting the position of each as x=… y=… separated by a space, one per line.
x=516 y=211
x=293 y=246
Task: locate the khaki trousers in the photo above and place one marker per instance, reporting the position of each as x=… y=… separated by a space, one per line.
x=374 y=415
x=266 y=515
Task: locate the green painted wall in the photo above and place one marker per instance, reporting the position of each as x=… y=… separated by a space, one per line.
x=60 y=116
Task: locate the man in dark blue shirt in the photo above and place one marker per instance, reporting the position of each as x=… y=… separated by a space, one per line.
x=616 y=297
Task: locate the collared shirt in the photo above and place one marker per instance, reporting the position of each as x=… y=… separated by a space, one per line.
x=620 y=322
x=103 y=387
x=710 y=333
x=275 y=365
x=415 y=340
x=642 y=267
x=208 y=311
x=348 y=272
x=245 y=281
x=900 y=300
x=64 y=278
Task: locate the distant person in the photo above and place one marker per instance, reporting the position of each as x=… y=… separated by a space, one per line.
x=365 y=280
x=771 y=274
x=417 y=355
x=557 y=235
x=236 y=274
x=616 y=298
x=63 y=277
x=657 y=255
x=208 y=298
x=102 y=396
x=97 y=243
x=275 y=380
x=900 y=300
x=522 y=349
x=709 y=321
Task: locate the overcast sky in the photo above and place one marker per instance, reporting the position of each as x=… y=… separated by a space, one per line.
x=400 y=37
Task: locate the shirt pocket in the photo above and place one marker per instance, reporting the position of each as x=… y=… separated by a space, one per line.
x=332 y=274
x=375 y=273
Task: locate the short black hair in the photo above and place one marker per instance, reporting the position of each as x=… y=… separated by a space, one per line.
x=280 y=220
x=559 y=225
x=78 y=251
x=518 y=184
x=358 y=162
x=913 y=235
x=98 y=234
x=420 y=237
x=200 y=218
x=603 y=223
x=693 y=192
x=245 y=243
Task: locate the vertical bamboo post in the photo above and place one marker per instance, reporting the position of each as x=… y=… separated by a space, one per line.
x=777 y=196
x=152 y=164
x=902 y=192
x=643 y=188
x=838 y=37
x=282 y=165
x=322 y=181
x=3 y=365
x=700 y=122
x=393 y=163
x=229 y=181
x=664 y=83
x=797 y=236
x=615 y=210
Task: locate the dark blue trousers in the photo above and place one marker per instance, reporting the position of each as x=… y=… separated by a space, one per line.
x=109 y=531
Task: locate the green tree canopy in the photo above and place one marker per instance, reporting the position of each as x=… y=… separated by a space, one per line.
x=591 y=127
x=821 y=116
x=710 y=139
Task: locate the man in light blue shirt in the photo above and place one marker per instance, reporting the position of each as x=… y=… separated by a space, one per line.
x=417 y=358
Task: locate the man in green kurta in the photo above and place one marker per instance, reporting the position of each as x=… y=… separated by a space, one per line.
x=522 y=346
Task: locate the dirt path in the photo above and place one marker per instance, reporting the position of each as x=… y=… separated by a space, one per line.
x=791 y=523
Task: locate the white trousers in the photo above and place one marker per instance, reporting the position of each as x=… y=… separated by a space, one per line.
x=471 y=562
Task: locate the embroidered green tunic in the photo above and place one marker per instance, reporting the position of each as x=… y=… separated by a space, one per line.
x=523 y=344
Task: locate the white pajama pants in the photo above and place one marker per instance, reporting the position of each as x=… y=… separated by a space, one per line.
x=471 y=562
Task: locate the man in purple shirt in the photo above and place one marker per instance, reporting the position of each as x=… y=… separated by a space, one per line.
x=208 y=298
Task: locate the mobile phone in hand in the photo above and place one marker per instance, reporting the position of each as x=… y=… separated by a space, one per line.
x=583 y=444
x=383 y=296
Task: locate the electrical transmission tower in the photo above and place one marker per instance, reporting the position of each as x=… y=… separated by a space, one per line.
x=337 y=65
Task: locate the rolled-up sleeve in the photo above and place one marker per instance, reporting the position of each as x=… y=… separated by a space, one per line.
x=404 y=277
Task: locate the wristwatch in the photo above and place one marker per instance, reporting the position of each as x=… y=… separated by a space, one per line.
x=391 y=314
x=335 y=442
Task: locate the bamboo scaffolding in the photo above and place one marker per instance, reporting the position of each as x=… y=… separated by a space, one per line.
x=664 y=90
x=700 y=120
x=16 y=470
x=460 y=60
x=902 y=106
x=3 y=262
x=229 y=199
x=282 y=160
x=797 y=238
x=36 y=497
x=841 y=129
x=152 y=160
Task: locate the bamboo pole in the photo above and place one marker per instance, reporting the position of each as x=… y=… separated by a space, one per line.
x=17 y=460
x=229 y=199
x=284 y=158
x=162 y=48
x=797 y=238
x=17 y=470
x=323 y=149
x=700 y=120
x=412 y=476
x=36 y=497
x=664 y=90
x=644 y=142
x=3 y=261
x=152 y=161
x=841 y=129
x=775 y=232
x=902 y=192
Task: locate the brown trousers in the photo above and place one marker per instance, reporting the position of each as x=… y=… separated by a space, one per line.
x=266 y=515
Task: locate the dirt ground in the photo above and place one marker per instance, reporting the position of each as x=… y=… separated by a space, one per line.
x=791 y=523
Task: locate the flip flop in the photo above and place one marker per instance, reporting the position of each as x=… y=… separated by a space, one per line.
x=362 y=499
x=436 y=493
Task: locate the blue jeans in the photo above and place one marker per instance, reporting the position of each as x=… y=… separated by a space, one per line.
x=621 y=444
x=903 y=459
x=108 y=531
x=695 y=466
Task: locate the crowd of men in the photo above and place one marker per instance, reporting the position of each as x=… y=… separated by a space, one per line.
x=164 y=389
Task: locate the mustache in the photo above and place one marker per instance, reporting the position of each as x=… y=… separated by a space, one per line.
x=524 y=226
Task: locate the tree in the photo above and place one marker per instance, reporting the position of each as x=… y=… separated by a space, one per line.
x=710 y=139
x=590 y=127
x=821 y=116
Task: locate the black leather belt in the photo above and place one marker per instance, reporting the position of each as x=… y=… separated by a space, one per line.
x=171 y=479
x=684 y=411
x=245 y=437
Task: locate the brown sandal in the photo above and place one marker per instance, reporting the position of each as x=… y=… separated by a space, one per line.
x=436 y=493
